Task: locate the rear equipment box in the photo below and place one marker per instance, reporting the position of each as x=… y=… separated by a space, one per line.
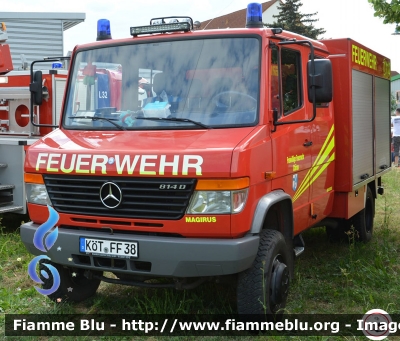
x=362 y=113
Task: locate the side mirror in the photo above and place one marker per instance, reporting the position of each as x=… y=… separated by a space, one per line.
x=36 y=88
x=320 y=80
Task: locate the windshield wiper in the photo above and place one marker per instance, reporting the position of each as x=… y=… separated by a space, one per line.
x=95 y=118
x=174 y=119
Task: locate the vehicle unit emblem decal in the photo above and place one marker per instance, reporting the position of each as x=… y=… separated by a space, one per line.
x=295 y=181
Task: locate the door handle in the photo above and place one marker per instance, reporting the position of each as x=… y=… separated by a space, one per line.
x=307 y=144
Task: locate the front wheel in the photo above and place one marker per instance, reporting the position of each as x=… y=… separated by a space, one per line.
x=263 y=288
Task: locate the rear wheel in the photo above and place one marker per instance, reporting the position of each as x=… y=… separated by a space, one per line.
x=263 y=288
x=363 y=221
x=74 y=286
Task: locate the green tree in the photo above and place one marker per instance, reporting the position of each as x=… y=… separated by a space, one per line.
x=290 y=19
x=393 y=103
x=389 y=11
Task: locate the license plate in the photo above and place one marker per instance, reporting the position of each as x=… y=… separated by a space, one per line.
x=109 y=248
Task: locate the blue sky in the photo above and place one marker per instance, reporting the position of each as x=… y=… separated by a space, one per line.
x=340 y=18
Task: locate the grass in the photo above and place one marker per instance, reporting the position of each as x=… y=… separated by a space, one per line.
x=347 y=277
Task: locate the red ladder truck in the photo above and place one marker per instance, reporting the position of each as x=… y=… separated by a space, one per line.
x=17 y=128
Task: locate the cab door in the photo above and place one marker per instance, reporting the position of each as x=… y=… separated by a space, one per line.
x=323 y=156
x=291 y=142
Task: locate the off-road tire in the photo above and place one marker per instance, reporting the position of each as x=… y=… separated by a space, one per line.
x=254 y=288
x=363 y=221
x=70 y=278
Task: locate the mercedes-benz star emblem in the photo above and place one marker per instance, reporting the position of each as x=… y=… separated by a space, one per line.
x=110 y=195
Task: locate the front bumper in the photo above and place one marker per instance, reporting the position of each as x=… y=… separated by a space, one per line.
x=158 y=256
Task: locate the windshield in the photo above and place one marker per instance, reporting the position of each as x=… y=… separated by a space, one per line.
x=186 y=84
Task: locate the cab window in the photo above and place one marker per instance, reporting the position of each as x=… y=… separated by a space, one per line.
x=291 y=76
x=286 y=92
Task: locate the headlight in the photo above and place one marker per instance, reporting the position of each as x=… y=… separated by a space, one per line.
x=217 y=202
x=37 y=194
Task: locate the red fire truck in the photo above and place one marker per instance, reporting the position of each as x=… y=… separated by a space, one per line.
x=17 y=129
x=241 y=141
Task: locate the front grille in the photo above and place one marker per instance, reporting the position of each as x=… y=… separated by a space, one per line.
x=142 y=198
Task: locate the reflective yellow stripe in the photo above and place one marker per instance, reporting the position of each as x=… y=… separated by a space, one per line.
x=321 y=162
x=310 y=178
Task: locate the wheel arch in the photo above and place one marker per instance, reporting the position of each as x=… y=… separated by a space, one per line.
x=277 y=206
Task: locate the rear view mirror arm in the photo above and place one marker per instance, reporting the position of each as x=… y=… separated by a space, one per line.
x=35 y=87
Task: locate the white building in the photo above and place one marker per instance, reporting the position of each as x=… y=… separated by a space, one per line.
x=37 y=35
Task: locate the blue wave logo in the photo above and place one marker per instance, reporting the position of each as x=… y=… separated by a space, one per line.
x=32 y=273
x=43 y=239
x=43 y=233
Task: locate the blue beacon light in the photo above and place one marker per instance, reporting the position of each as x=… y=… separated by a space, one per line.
x=103 y=29
x=254 y=15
